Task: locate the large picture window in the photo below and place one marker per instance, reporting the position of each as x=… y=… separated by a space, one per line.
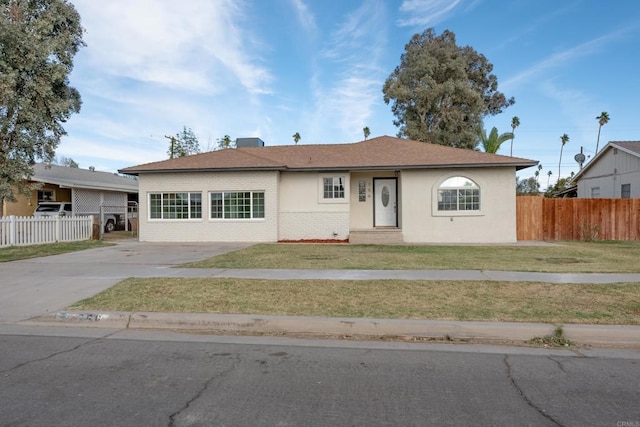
x=458 y=194
x=333 y=187
x=237 y=205
x=175 y=205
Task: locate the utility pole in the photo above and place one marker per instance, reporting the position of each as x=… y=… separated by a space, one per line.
x=173 y=141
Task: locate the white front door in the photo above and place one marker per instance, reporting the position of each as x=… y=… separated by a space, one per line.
x=385 y=202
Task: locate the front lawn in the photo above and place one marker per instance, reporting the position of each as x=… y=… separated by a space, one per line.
x=567 y=257
x=390 y=299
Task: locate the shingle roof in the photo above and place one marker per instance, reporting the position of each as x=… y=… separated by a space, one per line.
x=83 y=178
x=633 y=146
x=383 y=152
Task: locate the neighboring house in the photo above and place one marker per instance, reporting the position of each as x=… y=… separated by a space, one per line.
x=613 y=173
x=382 y=190
x=86 y=189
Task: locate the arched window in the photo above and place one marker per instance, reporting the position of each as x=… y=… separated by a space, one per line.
x=458 y=193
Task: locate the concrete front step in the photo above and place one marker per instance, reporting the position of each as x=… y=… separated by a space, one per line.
x=376 y=236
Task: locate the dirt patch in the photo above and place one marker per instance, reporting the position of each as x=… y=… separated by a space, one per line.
x=560 y=260
x=315 y=241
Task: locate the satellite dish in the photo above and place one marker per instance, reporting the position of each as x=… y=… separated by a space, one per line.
x=580 y=158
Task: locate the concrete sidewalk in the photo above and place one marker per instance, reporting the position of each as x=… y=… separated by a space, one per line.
x=502 y=276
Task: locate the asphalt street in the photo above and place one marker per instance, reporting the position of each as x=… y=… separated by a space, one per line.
x=98 y=377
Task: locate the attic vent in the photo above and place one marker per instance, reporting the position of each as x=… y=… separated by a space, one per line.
x=249 y=142
x=615 y=151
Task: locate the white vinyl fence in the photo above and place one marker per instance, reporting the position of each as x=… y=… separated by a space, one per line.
x=28 y=230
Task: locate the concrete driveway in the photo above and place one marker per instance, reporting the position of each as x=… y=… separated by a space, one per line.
x=34 y=287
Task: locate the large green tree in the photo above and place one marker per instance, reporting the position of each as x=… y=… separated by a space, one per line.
x=491 y=143
x=527 y=187
x=38 y=41
x=440 y=92
x=183 y=144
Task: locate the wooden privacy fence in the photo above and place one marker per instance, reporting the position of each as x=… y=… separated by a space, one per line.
x=540 y=218
x=23 y=231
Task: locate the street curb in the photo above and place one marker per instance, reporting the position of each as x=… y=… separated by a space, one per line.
x=263 y=324
x=603 y=334
x=111 y=319
x=434 y=329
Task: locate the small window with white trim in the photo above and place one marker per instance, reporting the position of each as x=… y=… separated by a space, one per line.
x=333 y=187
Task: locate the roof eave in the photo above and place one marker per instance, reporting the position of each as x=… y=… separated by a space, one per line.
x=517 y=165
x=88 y=186
x=137 y=172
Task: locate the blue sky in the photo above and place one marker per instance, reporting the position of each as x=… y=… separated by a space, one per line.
x=270 y=68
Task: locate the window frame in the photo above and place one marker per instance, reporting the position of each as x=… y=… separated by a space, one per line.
x=43 y=199
x=223 y=209
x=343 y=193
x=166 y=206
x=625 y=194
x=436 y=197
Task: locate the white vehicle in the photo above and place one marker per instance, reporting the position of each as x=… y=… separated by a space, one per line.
x=111 y=221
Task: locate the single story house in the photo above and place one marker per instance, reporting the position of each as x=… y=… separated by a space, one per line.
x=86 y=189
x=381 y=190
x=613 y=173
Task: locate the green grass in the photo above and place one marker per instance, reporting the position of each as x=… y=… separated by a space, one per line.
x=567 y=257
x=14 y=253
x=397 y=299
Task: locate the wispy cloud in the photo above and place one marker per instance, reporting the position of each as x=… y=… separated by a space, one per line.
x=353 y=53
x=173 y=44
x=579 y=108
x=562 y=58
x=305 y=17
x=425 y=13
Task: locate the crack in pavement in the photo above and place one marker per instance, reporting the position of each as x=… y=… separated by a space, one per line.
x=199 y=393
x=69 y=350
x=557 y=362
x=524 y=397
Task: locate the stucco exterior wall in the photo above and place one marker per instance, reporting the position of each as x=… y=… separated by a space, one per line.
x=304 y=214
x=24 y=206
x=607 y=176
x=207 y=229
x=494 y=223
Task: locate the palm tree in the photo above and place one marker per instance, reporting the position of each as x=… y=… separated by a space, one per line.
x=603 y=119
x=515 y=122
x=366 y=131
x=564 y=139
x=548 y=178
x=492 y=143
x=296 y=137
